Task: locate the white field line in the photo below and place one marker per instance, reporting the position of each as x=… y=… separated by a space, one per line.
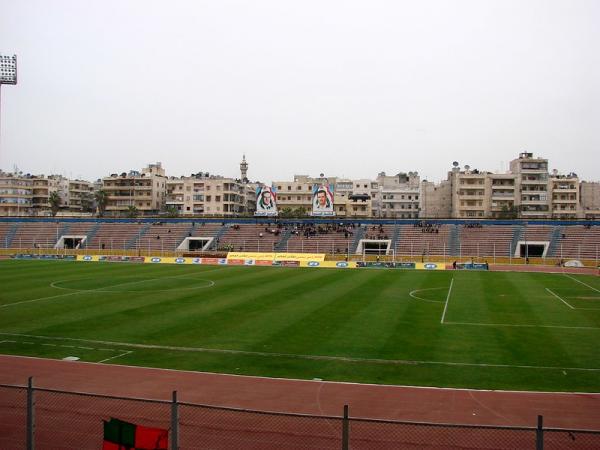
x=321 y=382
x=565 y=302
x=447 y=298
x=99 y=289
x=475 y=324
x=301 y=356
x=64 y=346
x=116 y=356
x=411 y=293
x=569 y=305
x=211 y=284
x=581 y=282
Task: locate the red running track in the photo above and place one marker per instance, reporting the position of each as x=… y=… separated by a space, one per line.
x=65 y=421
x=439 y=405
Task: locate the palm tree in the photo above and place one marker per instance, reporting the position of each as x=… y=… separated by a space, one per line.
x=54 y=202
x=132 y=211
x=101 y=198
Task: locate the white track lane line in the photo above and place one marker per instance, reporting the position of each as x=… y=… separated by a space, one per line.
x=116 y=356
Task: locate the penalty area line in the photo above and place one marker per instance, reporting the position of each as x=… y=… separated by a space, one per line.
x=483 y=324
x=447 y=298
x=301 y=356
x=581 y=282
x=564 y=301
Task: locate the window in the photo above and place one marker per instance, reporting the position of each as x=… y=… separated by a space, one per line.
x=217 y=199
x=289 y=188
x=208 y=198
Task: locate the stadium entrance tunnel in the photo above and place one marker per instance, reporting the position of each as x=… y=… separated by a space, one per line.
x=71 y=242
x=195 y=243
x=374 y=246
x=531 y=249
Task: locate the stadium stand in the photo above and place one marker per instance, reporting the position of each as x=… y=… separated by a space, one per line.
x=424 y=240
x=486 y=240
x=407 y=238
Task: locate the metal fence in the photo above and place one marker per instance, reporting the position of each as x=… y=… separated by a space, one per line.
x=36 y=418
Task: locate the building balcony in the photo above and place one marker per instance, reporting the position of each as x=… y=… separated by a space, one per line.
x=538 y=182
x=569 y=201
x=503 y=195
x=533 y=202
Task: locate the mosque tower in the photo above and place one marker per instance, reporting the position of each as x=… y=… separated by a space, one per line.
x=244 y=169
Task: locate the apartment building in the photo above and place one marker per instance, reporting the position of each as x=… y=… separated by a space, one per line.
x=146 y=191
x=565 y=201
x=470 y=198
x=205 y=194
x=16 y=194
x=399 y=196
x=532 y=186
x=297 y=194
x=590 y=199
x=435 y=200
x=352 y=198
x=43 y=187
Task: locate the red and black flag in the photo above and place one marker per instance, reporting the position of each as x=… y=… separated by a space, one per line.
x=120 y=435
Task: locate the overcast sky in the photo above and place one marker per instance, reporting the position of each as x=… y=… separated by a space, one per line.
x=346 y=88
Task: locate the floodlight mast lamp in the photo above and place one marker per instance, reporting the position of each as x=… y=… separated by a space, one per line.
x=8 y=75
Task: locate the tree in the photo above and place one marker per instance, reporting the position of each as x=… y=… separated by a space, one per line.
x=172 y=212
x=54 y=202
x=286 y=212
x=101 y=198
x=509 y=212
x=132 y=211
x=300 y=212
x=87 y=202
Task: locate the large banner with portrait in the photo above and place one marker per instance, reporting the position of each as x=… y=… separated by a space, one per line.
x=266 y=201
x=322 y=200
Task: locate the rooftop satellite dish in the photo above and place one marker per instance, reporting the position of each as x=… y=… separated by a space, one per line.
x=321 y=175
x=467 y=167
x=455 y=164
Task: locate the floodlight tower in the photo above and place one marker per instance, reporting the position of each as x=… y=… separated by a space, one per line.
x=8 y=75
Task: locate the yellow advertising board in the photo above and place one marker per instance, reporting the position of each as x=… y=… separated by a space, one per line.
x=277 y=256
x=430 y=266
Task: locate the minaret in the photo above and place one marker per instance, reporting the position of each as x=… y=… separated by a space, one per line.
x=244 y=170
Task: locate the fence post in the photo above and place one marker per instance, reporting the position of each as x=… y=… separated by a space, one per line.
x=174 y=423
x=539 y=434
x=345 y=430
x=30 y=415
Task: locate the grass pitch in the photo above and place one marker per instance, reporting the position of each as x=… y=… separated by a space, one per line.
x=525 y=331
